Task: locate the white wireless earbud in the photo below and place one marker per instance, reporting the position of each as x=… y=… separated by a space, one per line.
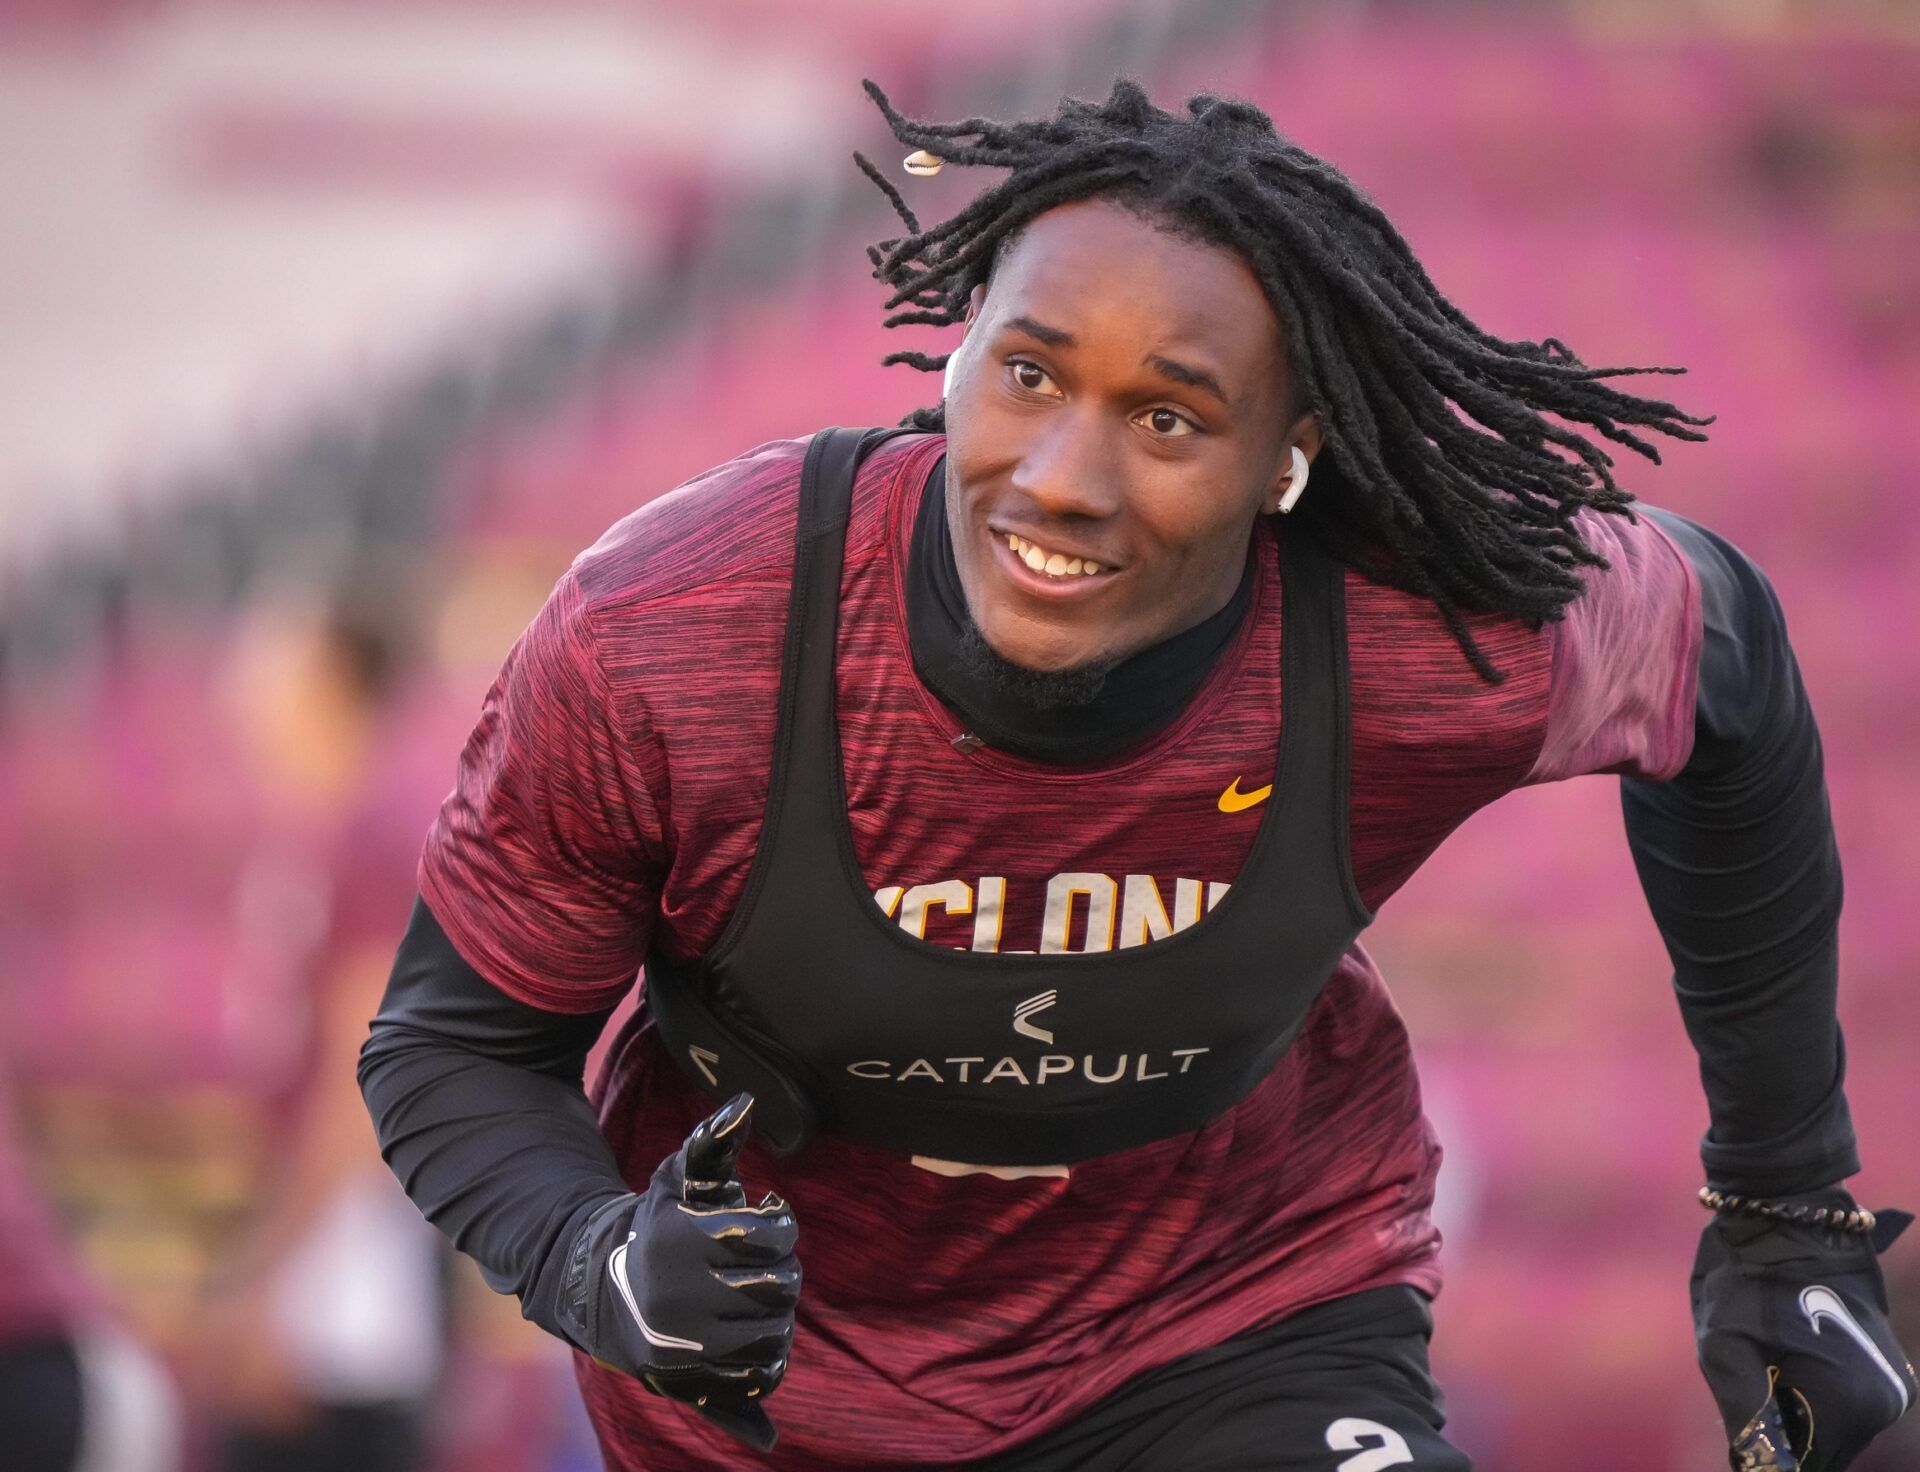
x=1296 y=482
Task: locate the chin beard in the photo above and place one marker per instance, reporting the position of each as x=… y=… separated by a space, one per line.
x=1040 y=690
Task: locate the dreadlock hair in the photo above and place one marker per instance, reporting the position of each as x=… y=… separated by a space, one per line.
x=1440 y=472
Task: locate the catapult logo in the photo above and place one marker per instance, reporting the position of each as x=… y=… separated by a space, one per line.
x=1023 y=1013
x=1101 y=1068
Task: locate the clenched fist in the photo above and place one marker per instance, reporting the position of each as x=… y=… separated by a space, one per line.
x=689 y=1289
x=1793 y=1337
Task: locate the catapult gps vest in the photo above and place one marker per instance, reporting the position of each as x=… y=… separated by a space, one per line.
x=837 y=1019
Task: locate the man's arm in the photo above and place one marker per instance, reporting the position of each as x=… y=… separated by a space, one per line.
x=1737 y=857
x=477 y=1103
x=1736 y=853
x=539 y=884
x=476 y=1099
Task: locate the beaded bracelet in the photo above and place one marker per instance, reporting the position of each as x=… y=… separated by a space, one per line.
x=1858 y=1221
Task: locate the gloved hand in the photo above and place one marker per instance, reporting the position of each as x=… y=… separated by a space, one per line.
x=688 y=1288
x=1791 y=1326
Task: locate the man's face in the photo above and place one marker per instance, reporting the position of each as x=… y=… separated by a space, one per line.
x=1117 y=416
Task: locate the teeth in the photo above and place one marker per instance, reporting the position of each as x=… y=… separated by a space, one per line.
x=1053 y=564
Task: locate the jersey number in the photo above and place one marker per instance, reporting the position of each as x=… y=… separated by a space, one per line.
x=1352 y=1434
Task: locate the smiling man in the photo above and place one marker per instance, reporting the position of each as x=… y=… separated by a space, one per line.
x=994 y=806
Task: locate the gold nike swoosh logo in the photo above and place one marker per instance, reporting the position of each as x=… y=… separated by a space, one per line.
x=1233 y=800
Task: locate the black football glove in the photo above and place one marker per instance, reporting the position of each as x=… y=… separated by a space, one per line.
x=1791 y=1326
x=689 y=1289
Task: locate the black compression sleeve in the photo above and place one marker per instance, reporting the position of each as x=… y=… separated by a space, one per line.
x=1737 y=858
x=476 y=1099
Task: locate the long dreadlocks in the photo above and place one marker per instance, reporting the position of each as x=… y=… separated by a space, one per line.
x=1439 y=472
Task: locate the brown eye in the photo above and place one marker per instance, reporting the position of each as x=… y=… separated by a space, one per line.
x=1033 y=379
x=1166 y=422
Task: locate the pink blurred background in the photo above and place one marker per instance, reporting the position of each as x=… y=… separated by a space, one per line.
x=330 y=331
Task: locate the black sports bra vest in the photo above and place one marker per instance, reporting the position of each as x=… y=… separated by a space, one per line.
x=837 y=1019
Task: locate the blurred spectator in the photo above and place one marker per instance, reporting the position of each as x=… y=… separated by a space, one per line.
x=76 y=1394
x=39 y=1366
x=320 y=1339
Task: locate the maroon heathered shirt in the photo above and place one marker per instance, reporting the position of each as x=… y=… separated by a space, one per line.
x=611 y=796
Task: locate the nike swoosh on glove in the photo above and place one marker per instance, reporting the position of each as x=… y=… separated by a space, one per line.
x=1791 y=1327
x=687 y=1288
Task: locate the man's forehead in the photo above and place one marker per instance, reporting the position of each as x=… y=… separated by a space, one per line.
x=1095 y=267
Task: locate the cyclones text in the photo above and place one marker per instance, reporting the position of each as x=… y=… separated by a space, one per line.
x=1081 y=912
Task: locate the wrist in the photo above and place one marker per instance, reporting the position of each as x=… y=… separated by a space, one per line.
x=1777 y=1172
x=564 y=1298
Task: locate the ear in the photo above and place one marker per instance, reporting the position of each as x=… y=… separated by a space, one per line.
x=975 y=300
x=1304 y=432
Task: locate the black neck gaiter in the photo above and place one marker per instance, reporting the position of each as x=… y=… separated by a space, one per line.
x=1081 y=716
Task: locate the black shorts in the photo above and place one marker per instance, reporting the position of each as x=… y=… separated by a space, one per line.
x=1340 y=1387
x=367 y=1438
x=40 y=1411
